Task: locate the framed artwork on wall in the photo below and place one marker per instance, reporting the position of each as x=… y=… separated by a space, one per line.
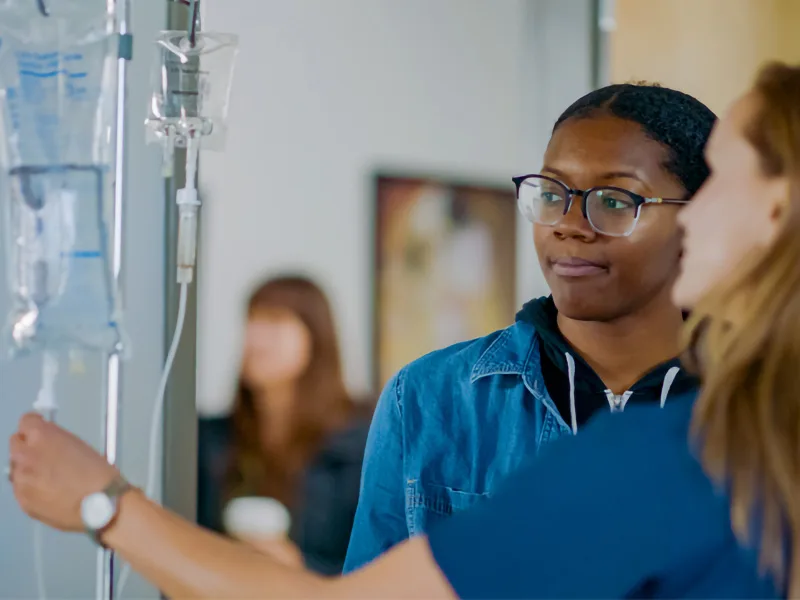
x=444 y=266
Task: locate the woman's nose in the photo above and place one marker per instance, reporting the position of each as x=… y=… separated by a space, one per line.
x=574 y=224
x=685 y=214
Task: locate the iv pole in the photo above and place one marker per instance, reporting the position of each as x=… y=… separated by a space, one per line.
x=120 y=10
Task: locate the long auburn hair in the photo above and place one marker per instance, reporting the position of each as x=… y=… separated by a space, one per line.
x=322 y=403
x=746 y=334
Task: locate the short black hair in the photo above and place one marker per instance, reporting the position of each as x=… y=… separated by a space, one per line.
x=678 y=121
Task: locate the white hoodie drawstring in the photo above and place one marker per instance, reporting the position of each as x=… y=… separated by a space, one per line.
x=616 y=403
x=571 y=374
x=669 y=378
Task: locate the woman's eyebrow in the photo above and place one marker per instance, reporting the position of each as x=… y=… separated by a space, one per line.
x=621 y=174
x=606 y=175
x=556 y=172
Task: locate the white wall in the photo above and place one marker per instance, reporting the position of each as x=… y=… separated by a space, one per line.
x=325 y=92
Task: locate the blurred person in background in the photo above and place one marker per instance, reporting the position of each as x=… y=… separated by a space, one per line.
x=295 y=435
x=450 y=426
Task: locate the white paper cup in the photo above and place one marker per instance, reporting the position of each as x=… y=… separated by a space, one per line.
x=256 y=517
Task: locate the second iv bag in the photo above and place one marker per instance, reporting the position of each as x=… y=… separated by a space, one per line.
x=191 y=90
x=57 y=110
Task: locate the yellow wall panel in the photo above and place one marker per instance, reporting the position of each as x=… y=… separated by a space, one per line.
x=708 y=48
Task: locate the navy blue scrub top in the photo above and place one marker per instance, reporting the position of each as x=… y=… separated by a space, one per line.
x=621 y=510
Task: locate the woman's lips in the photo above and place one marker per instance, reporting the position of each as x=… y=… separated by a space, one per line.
x=571 y=266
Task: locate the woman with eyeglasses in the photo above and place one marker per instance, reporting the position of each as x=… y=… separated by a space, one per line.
x=450 y=426
x=697 y=499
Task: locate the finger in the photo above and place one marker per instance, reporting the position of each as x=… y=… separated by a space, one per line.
x=30 y=422
x=34 y=429
x=21 y=489
x=16 y=447
x=20 y=454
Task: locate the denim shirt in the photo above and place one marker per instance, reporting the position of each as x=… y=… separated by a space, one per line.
x=447 y=430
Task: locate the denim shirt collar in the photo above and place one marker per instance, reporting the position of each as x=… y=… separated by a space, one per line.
x=516 y=352
x=509 y=354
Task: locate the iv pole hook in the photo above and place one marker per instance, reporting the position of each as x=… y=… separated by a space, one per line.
x=42 y=8
x=194 y=25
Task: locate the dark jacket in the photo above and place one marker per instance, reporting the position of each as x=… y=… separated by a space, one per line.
x=323 y=515
x=567 y=375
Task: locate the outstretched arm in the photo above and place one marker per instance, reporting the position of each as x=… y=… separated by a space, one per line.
x=598 y=515
x=185 y=561
x=52 y=471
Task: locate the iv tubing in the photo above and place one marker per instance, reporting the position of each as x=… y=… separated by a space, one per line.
x=38 y=556
x=158 y=410
x=150 y=488
x=46 y=406
x=188 y=205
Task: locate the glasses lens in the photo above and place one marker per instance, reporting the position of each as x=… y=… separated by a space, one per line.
x=611 y=212
x=541 y=200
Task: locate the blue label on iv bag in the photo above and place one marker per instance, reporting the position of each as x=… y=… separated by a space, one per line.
x=83 y=254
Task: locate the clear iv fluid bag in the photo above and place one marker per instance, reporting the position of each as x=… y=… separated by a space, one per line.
x=61 y=283
x=57 y=111
x=57 y=77
x=191 y=89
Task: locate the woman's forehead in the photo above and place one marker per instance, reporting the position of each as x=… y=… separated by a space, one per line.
x=730 y=128
x=260 y=314
x=592 y=147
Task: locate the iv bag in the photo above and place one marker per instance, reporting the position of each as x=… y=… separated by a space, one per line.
x=57 y=113
x=191 y=89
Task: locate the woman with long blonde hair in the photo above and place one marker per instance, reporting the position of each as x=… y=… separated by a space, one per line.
x=695 y=499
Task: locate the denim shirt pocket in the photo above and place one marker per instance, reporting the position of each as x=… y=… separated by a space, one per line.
x=427 y=503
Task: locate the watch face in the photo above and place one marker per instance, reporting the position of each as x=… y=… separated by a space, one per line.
x=97 y=511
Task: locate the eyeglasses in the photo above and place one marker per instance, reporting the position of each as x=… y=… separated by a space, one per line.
x=610 y=210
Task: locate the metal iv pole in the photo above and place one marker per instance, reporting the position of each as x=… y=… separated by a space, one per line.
x=120 y=10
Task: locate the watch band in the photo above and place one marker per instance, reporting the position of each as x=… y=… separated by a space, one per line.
x=118 y=486
x=114 y=490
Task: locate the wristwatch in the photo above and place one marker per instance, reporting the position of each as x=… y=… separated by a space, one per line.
x=99 y=510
